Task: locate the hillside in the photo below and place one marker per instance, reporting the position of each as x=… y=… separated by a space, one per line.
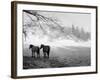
x=38 y=28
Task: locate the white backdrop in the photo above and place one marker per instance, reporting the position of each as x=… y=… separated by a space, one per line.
x=5 y=41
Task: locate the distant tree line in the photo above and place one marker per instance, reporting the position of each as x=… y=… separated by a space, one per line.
x=78 y=33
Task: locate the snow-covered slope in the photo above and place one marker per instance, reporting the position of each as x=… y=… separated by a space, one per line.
x=49 y=31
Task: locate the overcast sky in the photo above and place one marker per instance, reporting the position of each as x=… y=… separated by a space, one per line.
x=71 y=18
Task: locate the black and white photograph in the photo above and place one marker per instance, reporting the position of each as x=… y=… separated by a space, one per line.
x=56 y=39
x=53 y=39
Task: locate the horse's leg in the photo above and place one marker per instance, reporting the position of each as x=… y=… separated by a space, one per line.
x=44 y=54
x=34 y=54
x=38 y=55
x=48 y=53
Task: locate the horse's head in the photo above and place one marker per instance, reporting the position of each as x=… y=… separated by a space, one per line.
x=30 y=46
x=41 y=46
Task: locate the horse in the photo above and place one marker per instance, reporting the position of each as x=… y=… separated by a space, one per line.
x=46 y=50
x=35 y=49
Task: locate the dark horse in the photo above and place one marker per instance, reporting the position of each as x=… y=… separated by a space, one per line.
x=34 y=49
x=46 y=50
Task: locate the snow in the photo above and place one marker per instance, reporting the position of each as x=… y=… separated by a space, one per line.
x=36 y=40
x=64 y=43
x=51 y=35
